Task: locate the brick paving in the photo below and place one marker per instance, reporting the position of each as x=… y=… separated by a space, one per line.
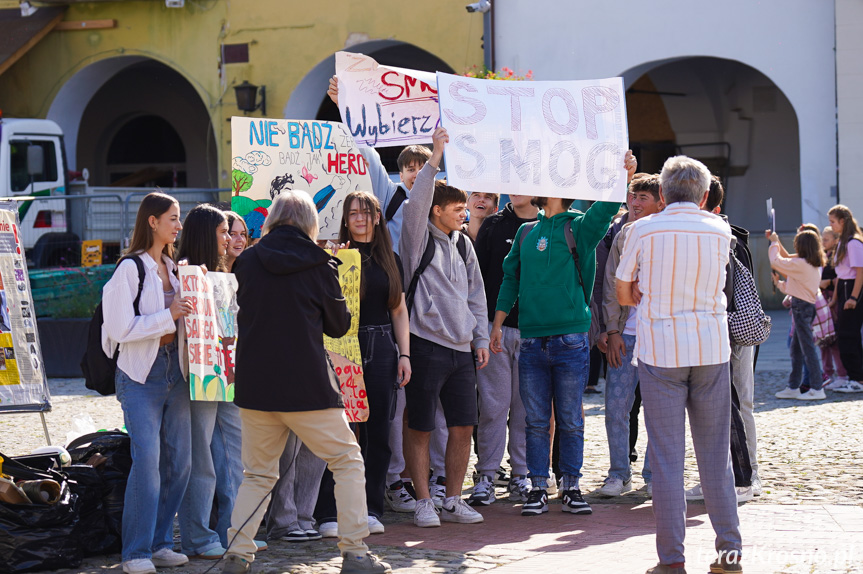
x=809 y=520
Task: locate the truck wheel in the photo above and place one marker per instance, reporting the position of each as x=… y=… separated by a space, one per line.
x=57 y=249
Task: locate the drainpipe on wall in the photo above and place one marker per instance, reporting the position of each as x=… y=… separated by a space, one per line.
x=488 y=38
x=836 y=96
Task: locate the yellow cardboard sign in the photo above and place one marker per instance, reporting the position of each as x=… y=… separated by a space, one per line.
x=91 y=253
x=345 y=351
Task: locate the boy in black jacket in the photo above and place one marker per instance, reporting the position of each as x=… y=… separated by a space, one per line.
x=498 y=382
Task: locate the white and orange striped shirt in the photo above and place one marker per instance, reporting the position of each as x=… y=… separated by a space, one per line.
x=679 y=257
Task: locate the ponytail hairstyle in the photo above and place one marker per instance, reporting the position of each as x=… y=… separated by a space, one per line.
x=381 y=245
x=154 y=204
x=807 y=244
x=198 y=242
x=850 y=230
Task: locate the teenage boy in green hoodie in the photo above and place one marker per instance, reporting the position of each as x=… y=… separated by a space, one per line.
x=554 y=319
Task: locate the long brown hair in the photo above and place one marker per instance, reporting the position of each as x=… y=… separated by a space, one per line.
x=382 y=245
x=807 y=244
x=155 y=204
x=850 y=230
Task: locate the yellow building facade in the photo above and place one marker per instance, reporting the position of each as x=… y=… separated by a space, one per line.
x=144 y=91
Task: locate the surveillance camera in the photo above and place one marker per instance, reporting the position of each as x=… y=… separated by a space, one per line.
x=482 y=6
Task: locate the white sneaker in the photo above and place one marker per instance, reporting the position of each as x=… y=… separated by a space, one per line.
x=757 y=489
x=788 y=393
x=437 y=490
x=501 y=477
x=694 y=493
x=812 y=395
x=849 y=387
x=139 y=566
x=456 y=510
x=835 y=382
x=551 y=484
x=329 y=529
x=398 y=498
x=167 y=558
x=425 y=515
x=744 y=493
x=483 y=492
x=375 y=526
x=519 y=488
x=614 y=486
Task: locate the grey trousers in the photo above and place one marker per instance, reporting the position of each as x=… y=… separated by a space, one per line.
x=293 y=502
x=705 y=392
x=743 y=379
x=497 y=384
x=437 y=443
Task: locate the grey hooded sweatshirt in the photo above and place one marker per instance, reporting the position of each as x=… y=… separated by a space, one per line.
x=449 y=304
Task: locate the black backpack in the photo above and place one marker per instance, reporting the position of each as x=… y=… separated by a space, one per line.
x=428 y=254
x=98 y=368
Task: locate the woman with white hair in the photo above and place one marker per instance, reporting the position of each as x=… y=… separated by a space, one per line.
x=289 y=297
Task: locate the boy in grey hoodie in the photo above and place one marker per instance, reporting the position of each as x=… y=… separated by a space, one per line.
x=450 y=318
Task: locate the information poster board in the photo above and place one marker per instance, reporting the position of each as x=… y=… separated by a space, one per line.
x=23 y=383
x=269 y=156
x=551 y=139
x=345 y=351
x=211 y=332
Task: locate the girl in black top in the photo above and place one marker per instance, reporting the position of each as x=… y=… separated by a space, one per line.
x=383 y=324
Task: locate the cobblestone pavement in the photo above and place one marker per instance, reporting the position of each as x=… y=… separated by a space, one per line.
x=810 y=466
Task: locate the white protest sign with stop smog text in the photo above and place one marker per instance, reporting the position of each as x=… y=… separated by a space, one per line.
x=270 y=156
x=552 y=139
x=385 y=105
x=211 y=332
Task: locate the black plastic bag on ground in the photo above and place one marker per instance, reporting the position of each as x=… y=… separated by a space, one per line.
x=95 y=530
x=40 y=537
x=115 y=446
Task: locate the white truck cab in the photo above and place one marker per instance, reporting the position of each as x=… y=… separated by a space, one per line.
x=32 y=164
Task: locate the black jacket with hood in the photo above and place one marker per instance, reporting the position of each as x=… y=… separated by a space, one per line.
x=493 y=243
x=289 y=297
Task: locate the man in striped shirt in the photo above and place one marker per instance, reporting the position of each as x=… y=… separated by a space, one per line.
x=673 y=267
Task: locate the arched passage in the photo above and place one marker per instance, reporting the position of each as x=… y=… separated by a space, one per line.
x=97 y=106
x=309 y=99
x=730 y=116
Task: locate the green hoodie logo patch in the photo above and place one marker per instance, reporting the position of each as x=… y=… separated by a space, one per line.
x=542 y=244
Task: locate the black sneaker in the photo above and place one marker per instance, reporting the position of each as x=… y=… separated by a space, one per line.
x=409 y=486
x=537 y=503
x=574 y=503
x=501 y=477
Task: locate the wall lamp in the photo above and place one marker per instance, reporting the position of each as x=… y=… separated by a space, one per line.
x=247 y=95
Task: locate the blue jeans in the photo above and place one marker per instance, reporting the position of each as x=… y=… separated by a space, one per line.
x=226 y=449
x=803 y=350
x=619 y=398
x=554 y=368
x=196 y=537
x=157 y=420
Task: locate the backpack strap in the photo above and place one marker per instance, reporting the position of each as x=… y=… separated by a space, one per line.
x=461 y=245
x=525 y=229
x=426 y=258
x=141 y=274
x=396 y=201
x=572 y=243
